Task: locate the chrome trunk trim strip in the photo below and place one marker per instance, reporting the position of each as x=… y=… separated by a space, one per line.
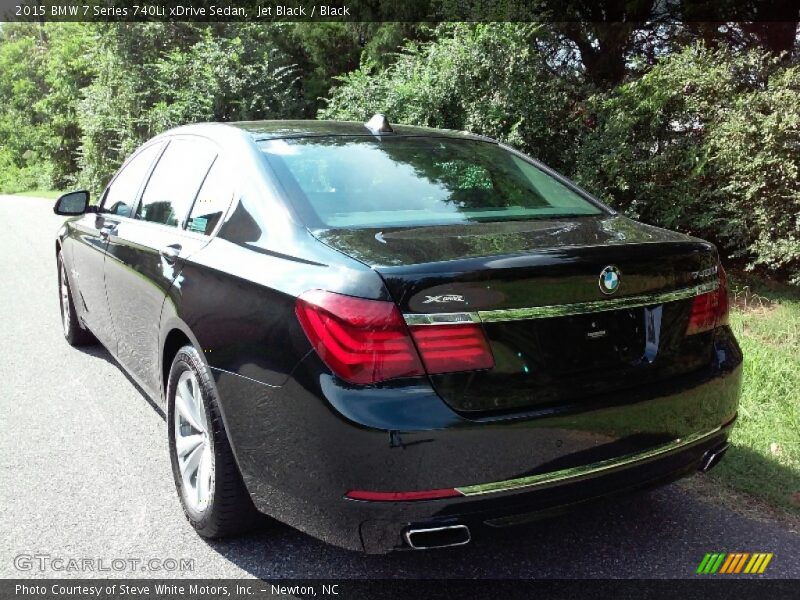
x=544 y=479
x=580 y=308
x=442 y=318
x=559 y=310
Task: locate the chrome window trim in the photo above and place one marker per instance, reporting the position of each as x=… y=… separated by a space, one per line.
x=562 y=475
x=560 y=310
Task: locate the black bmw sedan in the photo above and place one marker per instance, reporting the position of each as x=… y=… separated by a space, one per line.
x=395 y=337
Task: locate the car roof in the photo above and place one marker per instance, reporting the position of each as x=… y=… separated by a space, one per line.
x=267 y=130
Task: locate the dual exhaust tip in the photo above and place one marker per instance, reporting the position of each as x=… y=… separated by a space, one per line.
x=712 y=457
x=437 y=537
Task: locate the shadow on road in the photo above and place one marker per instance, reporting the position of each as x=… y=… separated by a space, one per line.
x=100 y=351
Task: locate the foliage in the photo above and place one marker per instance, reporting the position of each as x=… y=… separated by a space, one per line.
x=705 y=142
x=152 y=77
x=484 y=78
x=82 y=96
x=43 y=71
x=756 y=148
x=691 y=126
x=20 y=88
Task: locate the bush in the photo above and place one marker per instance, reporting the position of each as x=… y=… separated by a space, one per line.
x=152 y=77
x=756 y=151
x=706 y=142
x=21 y=130
x=484 y=78
x=699 y=140
x=42 y=69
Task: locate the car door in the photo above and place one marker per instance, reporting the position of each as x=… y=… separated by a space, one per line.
x=145 y=254
x=91 y=234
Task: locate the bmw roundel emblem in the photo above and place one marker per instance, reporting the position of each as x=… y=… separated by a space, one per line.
x=609 y=279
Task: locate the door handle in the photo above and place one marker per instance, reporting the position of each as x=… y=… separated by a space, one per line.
x=107 y=231
x=170 y=253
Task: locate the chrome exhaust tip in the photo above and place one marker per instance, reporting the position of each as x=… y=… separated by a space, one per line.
x=437 y=537
x=712 y=458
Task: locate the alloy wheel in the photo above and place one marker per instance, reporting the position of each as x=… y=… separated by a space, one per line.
x=192 y=443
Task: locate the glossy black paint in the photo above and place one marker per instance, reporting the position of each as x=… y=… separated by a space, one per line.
x=545 y=263
x=303 y=438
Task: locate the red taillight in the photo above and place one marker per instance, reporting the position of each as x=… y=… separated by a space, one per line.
x=367 y=341
x=362 y=341
x=452 y=348
x=710 y=310
x=704 y=313
x=402 y=496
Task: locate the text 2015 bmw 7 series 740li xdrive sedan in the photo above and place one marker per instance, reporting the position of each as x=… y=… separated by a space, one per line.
x=396 y=337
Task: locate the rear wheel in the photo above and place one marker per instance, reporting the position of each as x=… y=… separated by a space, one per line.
x=74 y=331
x=207 y=479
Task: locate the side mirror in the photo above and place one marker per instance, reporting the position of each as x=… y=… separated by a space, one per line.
x=72 y=204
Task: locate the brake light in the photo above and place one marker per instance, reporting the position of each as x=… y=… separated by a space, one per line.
x=367 y=341
x=452 y=348
x=710 y=310
x=362 y=341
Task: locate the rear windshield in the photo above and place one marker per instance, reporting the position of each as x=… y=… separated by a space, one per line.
x=358 y=182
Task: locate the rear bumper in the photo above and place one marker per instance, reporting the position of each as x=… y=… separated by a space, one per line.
x=384 y=530
x=301 y=447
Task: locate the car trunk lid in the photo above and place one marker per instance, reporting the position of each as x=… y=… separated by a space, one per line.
x=557 y=334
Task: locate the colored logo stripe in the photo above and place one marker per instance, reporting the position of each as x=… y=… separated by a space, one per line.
x=710 y=563
x=758 y=563
x=734 y=562
x=729 y=562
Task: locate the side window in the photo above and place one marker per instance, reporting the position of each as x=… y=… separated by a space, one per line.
x=212 y=201
x=121 y=194
x=175 y=180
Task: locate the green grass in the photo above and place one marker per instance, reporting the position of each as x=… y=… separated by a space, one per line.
x=47 y=194
x=764 y=459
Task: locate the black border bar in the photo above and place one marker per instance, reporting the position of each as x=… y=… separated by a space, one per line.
x=595 y=11
x=705 y=587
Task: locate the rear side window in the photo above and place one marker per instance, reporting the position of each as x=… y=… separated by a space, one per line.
x=212 y=201
x=121 y=194
x=361 y=181
x=175 y=181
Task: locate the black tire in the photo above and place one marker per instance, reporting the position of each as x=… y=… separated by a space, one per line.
x=229 y=509
x=74 y=331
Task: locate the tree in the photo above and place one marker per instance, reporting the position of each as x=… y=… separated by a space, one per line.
x=488 y=78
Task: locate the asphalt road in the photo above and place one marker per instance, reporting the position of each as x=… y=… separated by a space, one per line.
x=85 y=474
